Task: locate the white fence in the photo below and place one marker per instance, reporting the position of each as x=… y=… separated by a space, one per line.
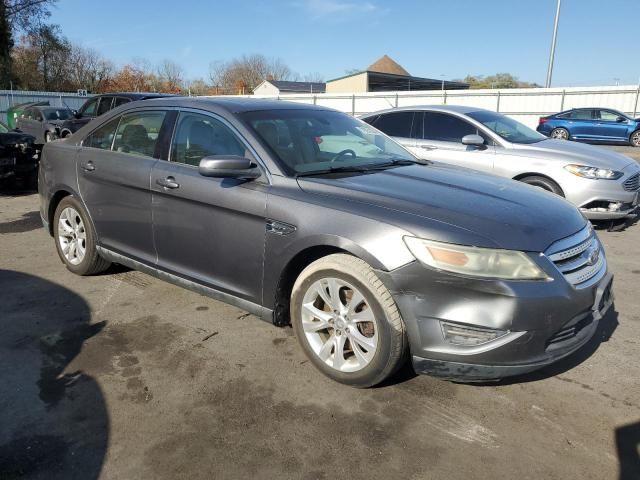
x=524 y=104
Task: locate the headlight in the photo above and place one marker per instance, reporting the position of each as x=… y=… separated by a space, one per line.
x=593 y=172
x=475 y=261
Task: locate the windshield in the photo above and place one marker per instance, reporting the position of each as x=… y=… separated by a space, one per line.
x=57 y=114
x=509 y=129
x=307 y=141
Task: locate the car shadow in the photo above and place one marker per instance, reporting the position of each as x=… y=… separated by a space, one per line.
x=628 y=448
x=55 y=423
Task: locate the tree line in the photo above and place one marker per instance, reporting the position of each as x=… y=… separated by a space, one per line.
x=35 y=55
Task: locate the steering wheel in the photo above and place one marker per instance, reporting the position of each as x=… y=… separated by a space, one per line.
x=339 y=156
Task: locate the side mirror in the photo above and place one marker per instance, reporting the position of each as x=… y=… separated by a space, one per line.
x=473 y=141
x=228 y=166
x=75 y=113
x=621 y=119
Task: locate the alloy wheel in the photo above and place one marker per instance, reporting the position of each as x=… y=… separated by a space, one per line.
x=635 y=139
x=339 y=325
x=72 y=236
x=560 y=134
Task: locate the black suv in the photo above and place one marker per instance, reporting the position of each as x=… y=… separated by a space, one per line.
x=96 y=106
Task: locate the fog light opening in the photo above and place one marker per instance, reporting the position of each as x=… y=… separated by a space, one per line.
x=457 y=334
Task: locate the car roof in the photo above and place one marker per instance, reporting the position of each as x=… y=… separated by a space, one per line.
x=233 y=105
x=135 y=95
x=462 y=109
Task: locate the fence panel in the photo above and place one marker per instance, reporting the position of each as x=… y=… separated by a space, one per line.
x=8 y=98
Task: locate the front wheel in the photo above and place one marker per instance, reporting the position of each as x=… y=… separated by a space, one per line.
x=634 y=139
x=544 y=183
x=76 y=239
x=559 y=134
x=347 y=322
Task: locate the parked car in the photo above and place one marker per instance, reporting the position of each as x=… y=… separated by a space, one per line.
x=17 y=110
x=592 y=125
x=99 y=104
x=18 y=158
x=366 y=254
x=602 y=183
x=43 y=122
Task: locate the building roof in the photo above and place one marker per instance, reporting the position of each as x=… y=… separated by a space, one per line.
x=297 y=87
x=387 y=82
x=386 y=64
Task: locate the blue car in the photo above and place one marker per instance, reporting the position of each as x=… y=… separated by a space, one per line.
x=592 y=125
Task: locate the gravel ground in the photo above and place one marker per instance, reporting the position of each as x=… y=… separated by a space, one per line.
x=122 y=376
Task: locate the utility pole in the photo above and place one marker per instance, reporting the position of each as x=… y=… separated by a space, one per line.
x=553 y=45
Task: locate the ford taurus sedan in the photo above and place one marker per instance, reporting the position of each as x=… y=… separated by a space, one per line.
x=306 y=216
x=602 y=183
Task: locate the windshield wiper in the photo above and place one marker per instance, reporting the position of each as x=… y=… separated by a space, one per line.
x=337 y=169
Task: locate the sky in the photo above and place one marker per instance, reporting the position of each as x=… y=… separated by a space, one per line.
x=429 y=38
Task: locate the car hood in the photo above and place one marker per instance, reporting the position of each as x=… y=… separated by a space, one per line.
x=573 y=152
x=494 y=211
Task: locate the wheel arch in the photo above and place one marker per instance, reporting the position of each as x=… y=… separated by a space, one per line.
x=292 y=269
x=522 y=176
x=56 y=198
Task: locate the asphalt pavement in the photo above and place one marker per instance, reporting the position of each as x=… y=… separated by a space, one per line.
x=122 y=376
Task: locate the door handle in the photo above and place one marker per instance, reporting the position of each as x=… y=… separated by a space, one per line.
x=168 y=182
x=428 y=147
x=89 y=166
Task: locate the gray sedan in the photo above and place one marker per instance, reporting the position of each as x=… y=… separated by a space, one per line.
x=602 y=183
x=43 y=122
x=306 y=216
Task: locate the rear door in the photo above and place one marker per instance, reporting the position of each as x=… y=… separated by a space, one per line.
x=106 y=104
x=114 y=166
x=398 y=125
x=609 y=126
x=581 y=124
x=210 y=230
x=442 y=142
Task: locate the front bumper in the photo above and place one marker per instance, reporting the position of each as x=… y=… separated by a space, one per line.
x=537 y=315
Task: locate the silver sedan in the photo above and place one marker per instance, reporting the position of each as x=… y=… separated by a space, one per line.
x=602 y=183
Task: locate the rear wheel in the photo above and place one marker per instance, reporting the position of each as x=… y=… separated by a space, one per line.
x=634 y=139
x=559 y=134
x=544 y=183
x=76 y=239
x=347 y=322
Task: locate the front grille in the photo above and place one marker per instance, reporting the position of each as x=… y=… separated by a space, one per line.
x=632 y=183
x=579 y=257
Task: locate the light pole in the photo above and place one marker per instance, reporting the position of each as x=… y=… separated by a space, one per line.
x=553 y=45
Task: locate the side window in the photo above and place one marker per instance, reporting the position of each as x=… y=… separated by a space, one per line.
x=102 y=138
x=198 y=136
x=417 y=131
x=37 y=115
x=89 y=108
x=120 y=101
x=28 y=113
x=104 y=106
x=138 y=133
x=608 y=116
x=446 y=128
x=396 y=124
x=582 y=114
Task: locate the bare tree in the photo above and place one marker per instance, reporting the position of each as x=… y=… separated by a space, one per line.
x=88 y=69
x=242 y=74
x=170 y=74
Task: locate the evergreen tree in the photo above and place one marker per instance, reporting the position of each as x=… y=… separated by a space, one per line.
x=6 y=44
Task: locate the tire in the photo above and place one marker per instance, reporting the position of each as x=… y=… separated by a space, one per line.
x=544 y=183
x=560 y=134
x=372 y=326
x=634 y=138
x=87 y=260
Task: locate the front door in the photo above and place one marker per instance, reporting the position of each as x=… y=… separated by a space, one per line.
x=114 y=166
x=399 y=125
x=210 y=230
x=442 y=142
x=610 y=127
